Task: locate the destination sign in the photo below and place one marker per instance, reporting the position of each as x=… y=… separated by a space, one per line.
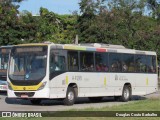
x=29 y=49
x=3 y=50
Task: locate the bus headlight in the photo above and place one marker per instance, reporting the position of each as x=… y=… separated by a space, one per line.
x=9 y=86
x=42 y=86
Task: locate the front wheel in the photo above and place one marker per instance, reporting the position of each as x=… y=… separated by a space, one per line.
x=126 y=95
x=35 y=101
x=70 y=96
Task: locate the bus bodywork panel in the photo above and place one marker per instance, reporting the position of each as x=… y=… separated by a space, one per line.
x=91 y=85
x=102 y=84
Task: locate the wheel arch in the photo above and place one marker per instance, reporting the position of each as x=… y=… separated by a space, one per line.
x=75 y=87
x=128 y=84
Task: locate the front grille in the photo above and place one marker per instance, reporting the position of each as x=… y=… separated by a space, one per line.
x=25 y=82
x=29 y=94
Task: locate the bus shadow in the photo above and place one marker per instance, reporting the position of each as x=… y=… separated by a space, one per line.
x=3 y=93
x=60 y=102
x=136 y=97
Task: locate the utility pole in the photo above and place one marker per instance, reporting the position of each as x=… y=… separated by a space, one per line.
x=76 y=40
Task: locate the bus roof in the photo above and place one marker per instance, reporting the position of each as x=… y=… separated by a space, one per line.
x=33 y=44
x=7 y=46
x=99 y=47
x=108 y=48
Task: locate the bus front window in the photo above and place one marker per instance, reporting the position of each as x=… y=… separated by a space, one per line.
x=4 y=55
x=28 y=64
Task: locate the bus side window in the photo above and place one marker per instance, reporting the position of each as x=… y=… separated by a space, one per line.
x=153 y=64
x=128 y=63
x=62 y=63
x=141 y=63
x=73 y=61
x=57 y=63
x=86 y=61
x=101 y=60
x=115 y=62
x=51 y=65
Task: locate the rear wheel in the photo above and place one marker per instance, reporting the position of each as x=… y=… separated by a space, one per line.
x=70 y=96
x=126 y=95
x=95 y=99
x=35 y=101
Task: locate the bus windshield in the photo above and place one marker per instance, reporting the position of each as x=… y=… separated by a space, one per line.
x=28 y=63
x=4 y=56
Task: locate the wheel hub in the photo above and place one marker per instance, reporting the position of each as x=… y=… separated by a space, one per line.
x=70 y=96
x=126 y=93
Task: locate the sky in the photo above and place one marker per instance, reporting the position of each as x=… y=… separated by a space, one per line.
x=57 y=6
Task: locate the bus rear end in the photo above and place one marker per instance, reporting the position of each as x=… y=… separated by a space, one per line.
x=27 y=77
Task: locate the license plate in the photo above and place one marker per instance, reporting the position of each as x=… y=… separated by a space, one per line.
x=24 y=96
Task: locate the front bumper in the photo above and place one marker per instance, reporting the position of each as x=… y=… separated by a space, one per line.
x=44 y=93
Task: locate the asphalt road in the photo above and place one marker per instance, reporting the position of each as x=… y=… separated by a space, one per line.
x=7 y=104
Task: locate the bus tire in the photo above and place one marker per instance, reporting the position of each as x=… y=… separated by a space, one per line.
x=35 y=101
x=70 y=96
x=126 y=94
x=95 y=99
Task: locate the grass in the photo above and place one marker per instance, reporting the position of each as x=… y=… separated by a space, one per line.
x=141 y=105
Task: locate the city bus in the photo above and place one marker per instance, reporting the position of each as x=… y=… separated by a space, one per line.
x=68 y=71
x=4 y=56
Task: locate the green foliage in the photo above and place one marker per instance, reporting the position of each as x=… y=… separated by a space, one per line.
x=68 y=32
x=87 y=28
x=154 y=5
x=55 y=28
x=9 y=31
x=113 y=22
x=122 y=22
x=48 y=25
x=29 y=27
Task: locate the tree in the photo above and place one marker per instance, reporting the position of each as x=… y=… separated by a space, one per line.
x=155 y=7
x=69 y=31
x=29 y=27
x=49 y=26
x=133 y=29
x=86 y=28
x=115 y=25
x=125 y=14
x=10 y=29
x=5 y=1
x=9 y=21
